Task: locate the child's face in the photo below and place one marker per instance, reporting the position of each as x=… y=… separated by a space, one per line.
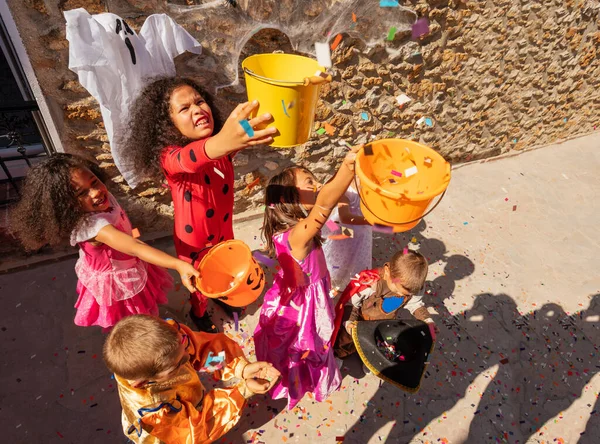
x=190 y=114
x=308 y=187
x=89 y=190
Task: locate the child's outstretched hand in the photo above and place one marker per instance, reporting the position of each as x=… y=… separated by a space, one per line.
x=187 y=272
x=260 y=376
x=233 y=136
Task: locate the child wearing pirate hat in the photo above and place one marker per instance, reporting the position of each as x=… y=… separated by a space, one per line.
x=377 y=295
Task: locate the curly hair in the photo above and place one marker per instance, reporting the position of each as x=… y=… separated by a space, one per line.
x=150 y=128
x=48 y=210
x=282 y=206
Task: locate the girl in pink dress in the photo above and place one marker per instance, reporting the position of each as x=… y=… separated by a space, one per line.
x=118 y=275
x=296 y=318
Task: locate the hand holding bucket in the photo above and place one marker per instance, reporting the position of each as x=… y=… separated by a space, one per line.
x=229 y=272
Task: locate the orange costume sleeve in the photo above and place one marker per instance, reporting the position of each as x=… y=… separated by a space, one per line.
x=183 y=416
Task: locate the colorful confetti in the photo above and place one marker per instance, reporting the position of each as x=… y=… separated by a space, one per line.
x=336 y=42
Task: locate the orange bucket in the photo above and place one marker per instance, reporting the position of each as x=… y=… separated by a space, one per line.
x=230 y=273
x=398 y=181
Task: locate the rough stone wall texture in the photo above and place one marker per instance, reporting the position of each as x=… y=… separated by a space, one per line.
x=491 y=77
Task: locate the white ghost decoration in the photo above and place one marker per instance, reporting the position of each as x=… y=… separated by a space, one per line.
x=114 y=63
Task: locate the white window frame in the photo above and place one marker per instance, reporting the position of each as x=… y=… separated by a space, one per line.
x=17 y=57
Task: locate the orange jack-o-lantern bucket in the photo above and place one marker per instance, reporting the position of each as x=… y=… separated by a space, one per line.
x=230 y=273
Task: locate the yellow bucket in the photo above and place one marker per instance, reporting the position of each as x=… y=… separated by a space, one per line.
x=398 y=181
x=287 y=87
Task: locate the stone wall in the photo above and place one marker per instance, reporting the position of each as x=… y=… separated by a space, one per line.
x=490 y=77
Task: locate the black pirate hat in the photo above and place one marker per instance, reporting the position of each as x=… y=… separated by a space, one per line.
x=396 y=351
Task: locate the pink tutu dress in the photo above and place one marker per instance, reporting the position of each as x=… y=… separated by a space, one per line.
x=112 y=284
x=295 y=326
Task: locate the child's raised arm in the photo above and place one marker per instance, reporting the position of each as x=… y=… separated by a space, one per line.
x=124 y=243
x=303 y=233
x=193 y=157
x=233 y=137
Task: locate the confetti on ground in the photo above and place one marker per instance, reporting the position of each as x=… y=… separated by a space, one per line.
x=321 y=131
x=396 y=173
x=305 y=354
x=364 y=116
x=388 y=3
x=135 y=233
x=236 y=321
x=514 y=208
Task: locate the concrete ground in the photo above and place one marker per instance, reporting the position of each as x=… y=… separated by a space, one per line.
x=513 y=283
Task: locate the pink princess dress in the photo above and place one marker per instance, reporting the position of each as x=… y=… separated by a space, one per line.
x=295 y=326
x=112 y=284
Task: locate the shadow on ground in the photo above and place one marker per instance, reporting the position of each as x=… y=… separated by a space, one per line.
x=526 y=367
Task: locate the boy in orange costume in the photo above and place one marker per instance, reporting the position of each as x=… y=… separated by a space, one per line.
x=155 y=363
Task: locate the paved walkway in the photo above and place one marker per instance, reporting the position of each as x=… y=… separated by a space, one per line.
x=514 y=284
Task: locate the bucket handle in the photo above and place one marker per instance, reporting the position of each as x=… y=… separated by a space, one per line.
x=312 y=80
x=396 y=223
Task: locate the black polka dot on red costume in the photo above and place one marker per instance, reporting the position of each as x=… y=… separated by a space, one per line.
x=187 y=196
x=210 y=212
x=225 y=189
x=207 y=179
x=194 y=255
x=221 y=238
x=188 y=229
x=211 y=237
x=193 y=156
x=226 y=217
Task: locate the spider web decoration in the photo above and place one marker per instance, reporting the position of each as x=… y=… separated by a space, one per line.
x=223 y=27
